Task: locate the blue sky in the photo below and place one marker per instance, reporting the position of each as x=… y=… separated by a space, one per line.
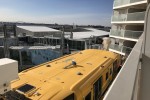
x=81 y=12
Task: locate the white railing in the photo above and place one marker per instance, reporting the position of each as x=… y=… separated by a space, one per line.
x=125 y=86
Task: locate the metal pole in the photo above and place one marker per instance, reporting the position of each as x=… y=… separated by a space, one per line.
x=20 y=56
x=6 y=48
x=62 y=41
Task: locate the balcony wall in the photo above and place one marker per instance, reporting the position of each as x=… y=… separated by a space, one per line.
x=126 y=33
x=126 y=84
x=122 y=49
x=137 y=16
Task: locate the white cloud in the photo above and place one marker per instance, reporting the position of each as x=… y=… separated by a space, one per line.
x=81 y=19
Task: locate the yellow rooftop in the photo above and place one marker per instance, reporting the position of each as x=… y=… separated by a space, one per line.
x=60 y=76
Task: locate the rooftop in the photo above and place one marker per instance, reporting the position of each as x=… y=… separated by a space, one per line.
x=58 y=74
x=33 y=47
x=88 y=34
x=38 y=29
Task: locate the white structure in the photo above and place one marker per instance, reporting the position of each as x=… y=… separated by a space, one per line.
x=127 y=24
x=133 y=82
x=88 y=34
x=83 y=40
x=106 y=43
x=8 y=73
x=38 y=31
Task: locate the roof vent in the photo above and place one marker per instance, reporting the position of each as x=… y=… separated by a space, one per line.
x=80 y=52
x=25 y=88
x=79 y=73
x=8 y=73
x=48 y=65
x=74 y=63
x=102 y=66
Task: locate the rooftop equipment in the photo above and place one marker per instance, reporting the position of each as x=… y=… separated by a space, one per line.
x=8 y=73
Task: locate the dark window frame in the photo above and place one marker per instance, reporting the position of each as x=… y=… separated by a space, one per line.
x=110 y=71
x=70 y=97
x=97 y=86
x=107 y=76
x=88 y=96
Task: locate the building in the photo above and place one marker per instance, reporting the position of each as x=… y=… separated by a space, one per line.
x=79 y=39
x=132 y=82
x=31 y=42
x=37 y=31
x=127 y=24
x=85 y=38
x=29 y=56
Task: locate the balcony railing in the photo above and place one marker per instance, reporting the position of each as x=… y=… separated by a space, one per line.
x=122 y=49
x=124 y=2
x=137 y=16
x=125 y=86
x=126 y=33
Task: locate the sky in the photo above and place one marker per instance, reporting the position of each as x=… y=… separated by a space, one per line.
x=79 y=12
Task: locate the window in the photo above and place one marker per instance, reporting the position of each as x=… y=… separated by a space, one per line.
x=35 y=52
x=88 y=97
x=70 y=97
x=110 y=71
x=47 y=58
x=97 y=88
x=106 y=75
x=115 y=67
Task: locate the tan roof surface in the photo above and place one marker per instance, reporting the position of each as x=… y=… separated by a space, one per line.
x=55 y=78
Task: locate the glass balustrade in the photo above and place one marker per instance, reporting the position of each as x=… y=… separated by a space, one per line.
x=132 y=34
x=126 y=33
x=122 y=49
x=137 y=16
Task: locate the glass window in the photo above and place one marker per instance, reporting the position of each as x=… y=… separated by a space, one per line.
x=97 y=88
x=88 y=97
x=110 y=71
x=106 y=75
x=115 y=66
x=70 y=97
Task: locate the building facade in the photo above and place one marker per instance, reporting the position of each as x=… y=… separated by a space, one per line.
x=127 y=24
